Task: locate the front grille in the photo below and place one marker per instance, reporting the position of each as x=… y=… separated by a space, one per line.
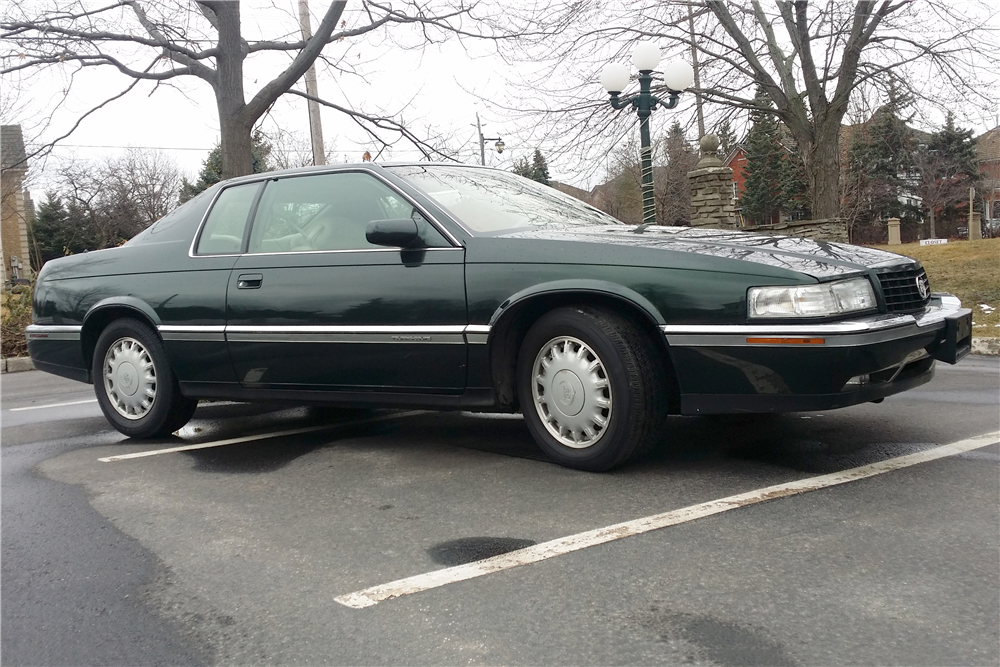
x=901 y=290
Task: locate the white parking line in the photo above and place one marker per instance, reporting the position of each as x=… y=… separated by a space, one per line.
x=545 y=550
x=260 y=436
x=53 y=405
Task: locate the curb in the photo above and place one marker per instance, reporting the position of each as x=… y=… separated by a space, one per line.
x=990 y=346
x=16 y=365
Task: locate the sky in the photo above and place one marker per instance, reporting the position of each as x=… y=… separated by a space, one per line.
x=442 y=86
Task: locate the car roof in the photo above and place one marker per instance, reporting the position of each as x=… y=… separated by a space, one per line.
x=350 y=165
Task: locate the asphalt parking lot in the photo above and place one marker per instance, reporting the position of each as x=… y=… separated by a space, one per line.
x=245 y=545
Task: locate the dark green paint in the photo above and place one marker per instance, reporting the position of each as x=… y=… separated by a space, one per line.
x=662 y=276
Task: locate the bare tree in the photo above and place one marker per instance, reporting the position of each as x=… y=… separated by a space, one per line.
x=112 y=200
x=173 y=39
x=672 y=187
x=811 y=58
x=292 y=149
x=621 y=193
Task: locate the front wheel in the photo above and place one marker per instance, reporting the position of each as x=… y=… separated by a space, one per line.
x=135 y=386
x=592 y=388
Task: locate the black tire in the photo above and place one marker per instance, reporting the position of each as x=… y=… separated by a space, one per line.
x=564 y=361
x=135 y=386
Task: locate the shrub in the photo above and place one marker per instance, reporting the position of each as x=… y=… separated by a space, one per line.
x=15 y=315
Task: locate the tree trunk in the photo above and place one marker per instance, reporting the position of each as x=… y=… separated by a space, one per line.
x=237 y=156
x=933 y=232
x=823 y=171
x=237 y=159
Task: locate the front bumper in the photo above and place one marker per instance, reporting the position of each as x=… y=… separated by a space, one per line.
x=786 y=368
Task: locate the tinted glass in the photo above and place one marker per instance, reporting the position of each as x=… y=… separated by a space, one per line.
x=489 y=201
x=328 y=212
x=223 y=231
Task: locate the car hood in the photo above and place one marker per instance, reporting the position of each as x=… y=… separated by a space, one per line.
x=817 y=258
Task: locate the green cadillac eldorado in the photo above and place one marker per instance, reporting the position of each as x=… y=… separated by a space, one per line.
x=453 y=287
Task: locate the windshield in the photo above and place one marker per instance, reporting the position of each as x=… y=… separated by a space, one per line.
x=488 y=202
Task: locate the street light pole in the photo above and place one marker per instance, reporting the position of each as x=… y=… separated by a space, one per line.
x=482 y=142
x=677 y=77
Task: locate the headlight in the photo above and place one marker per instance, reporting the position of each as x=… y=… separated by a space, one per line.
x=822 y=300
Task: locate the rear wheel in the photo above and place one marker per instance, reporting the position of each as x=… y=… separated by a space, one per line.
x=135 y=387
x=592 y=388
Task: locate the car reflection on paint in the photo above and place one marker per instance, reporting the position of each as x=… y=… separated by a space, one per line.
x=456 y=287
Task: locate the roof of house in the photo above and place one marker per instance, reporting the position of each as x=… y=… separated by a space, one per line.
x=988 y=145
x=12 y=154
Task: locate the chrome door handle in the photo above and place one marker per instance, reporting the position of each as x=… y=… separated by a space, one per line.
x=250 y=281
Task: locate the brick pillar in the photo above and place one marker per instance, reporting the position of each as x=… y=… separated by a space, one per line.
x=712 y=189
x=894 y=231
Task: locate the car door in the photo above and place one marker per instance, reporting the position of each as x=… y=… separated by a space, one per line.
x=312 y=305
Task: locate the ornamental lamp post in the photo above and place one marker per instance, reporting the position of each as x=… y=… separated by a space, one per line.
x=499 y=145
x=677 y=76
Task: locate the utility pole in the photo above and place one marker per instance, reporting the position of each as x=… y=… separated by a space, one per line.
x=482 y=142
x=315 y=122
x=697 y=75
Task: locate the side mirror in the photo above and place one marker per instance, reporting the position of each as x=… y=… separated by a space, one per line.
x=398 y=232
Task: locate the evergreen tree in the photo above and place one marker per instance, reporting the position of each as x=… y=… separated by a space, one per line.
x=762 y=192
x=540 y=167
x=57 y=231
x=947 y=168
x=881 y=175
x=211 y=168
x=794 y=198
x=727 y=140
x=536 y=170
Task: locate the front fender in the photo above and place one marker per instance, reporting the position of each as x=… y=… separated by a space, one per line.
x=580 y=286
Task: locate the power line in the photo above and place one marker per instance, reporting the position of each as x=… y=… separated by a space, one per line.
x=156 y=148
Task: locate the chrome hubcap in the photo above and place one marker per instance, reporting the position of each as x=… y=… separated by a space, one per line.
x=571 y=392
x=129 y=378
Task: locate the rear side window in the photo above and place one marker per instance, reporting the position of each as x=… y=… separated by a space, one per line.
x=223 y=231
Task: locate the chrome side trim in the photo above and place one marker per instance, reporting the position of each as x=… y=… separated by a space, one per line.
x=320 y=329
x=332 y=252
x=878 y=329
x=475 y=334
x=206 y=328
x=419 y=334
x=195 y=333
x=842 y=340
x=384 y=338
x=53 y=331
x=831 y=328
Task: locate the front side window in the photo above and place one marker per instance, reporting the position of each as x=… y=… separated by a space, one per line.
x=325 y=212
x=223 y=231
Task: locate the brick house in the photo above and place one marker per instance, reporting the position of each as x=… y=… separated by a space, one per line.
x=16 y=207
x=736 y=160
x=988 y=158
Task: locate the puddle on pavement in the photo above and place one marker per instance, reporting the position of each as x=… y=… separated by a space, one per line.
x=471 y=549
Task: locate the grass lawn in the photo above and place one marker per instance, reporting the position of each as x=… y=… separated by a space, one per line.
x=968 y=269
